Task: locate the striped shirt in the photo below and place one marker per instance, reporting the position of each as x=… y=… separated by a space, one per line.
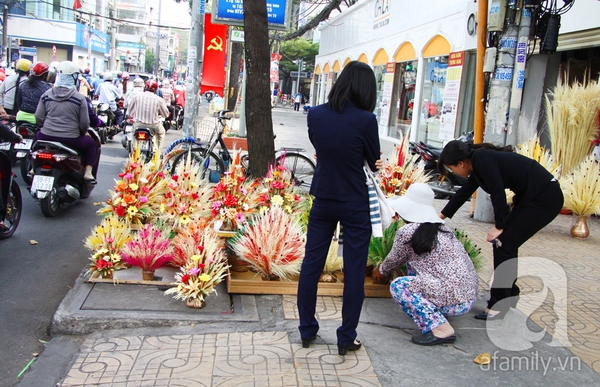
x=145 y=108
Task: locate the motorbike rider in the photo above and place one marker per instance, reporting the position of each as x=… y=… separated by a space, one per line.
x=138 y=88
x=109 y=93
x=169 y=97
x=6 y=135
x=145 y=109
x=123 y=84
x=30 y=92
x=63 y=117
x=10 y=86
x=179 y=93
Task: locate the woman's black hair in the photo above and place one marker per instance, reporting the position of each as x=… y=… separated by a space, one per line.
x=32 y=80
x=424 y=237
x=356 y=84
x=456 y=151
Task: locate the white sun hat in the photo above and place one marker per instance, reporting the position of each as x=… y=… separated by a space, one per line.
x=416 y=206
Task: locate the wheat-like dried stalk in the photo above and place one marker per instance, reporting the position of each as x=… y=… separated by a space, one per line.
x=396 y=176
x=334 y=261
x=582 y=188
x=572 y=114
x=273 y=244
x=535 y=151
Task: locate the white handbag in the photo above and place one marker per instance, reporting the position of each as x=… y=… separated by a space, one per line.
x=380 y=211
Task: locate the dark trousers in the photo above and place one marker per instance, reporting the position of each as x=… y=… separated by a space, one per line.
x=85 y=144
x=118 y=117
x=521 y=224
x=297 y=106
x=324 y=216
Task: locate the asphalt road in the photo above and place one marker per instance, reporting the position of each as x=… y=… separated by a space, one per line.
x=35 y=278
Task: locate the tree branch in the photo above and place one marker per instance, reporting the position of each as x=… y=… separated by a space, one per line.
x=314 y=22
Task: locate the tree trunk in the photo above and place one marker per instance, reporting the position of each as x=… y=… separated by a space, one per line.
x=259 y=123
x=234 y=75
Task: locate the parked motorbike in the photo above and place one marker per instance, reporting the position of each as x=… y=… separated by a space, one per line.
x=27 y=130
x=58 y=174
x=10 y=215
x=444 y=186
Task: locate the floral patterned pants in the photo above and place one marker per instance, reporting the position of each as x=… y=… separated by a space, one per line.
x=424 y=313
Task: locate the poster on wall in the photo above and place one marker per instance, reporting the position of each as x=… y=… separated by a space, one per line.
x=274 y=71
x=451 y=96
x=386 y=96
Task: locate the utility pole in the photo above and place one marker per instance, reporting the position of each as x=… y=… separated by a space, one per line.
x=194 y=67
x=500 y=105
x=157 y=59
x=300 y=65
x=5 y=43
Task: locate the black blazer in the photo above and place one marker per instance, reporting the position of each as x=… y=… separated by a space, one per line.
x=343 y=141
x=494 y=171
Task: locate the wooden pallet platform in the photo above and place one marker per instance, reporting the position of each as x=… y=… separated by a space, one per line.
x=250 y=283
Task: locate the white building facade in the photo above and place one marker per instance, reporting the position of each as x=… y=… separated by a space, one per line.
x=424 y=60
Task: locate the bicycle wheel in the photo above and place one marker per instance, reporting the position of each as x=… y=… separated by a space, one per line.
x=301 y=167
x=211 y=165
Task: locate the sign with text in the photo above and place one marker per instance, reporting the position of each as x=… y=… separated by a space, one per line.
x=231 y=12
x=451 y=95
x=386 y=98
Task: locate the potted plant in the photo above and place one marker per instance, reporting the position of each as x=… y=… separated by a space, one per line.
x=186 y=197
x=581 y=190
x=379 y=248
x=149 y=249
x=273 y=244
x=205 y=267
x=232 y=200
x=106 y=242
x=396 y=176
x=136 y=196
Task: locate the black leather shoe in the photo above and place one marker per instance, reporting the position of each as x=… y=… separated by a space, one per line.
x=486 y=316
x=306 y=342
x=343 y=349
x=430 y=339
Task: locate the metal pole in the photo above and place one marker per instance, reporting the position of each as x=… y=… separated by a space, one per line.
x=194 y=67
x=90 y=36
x=157 y=59
x=300 y=63
x=5 y=45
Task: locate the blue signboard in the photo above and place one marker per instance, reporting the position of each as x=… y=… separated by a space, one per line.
x=232 y=12
x=100 y=41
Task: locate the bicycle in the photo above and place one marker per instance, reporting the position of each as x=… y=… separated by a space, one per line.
x=201 y=151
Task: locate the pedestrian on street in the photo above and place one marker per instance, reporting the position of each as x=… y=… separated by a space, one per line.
x=441 y=280
x=340 y=191
x=297 y=101
x=538 y=200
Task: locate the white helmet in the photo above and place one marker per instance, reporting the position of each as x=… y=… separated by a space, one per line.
x=138 y=82
x=54 y=64
x=67 y=67
x=108 y=76
x=166 y=83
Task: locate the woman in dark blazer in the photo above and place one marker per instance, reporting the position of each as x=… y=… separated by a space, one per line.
x=344 y=132
x=538 y=199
